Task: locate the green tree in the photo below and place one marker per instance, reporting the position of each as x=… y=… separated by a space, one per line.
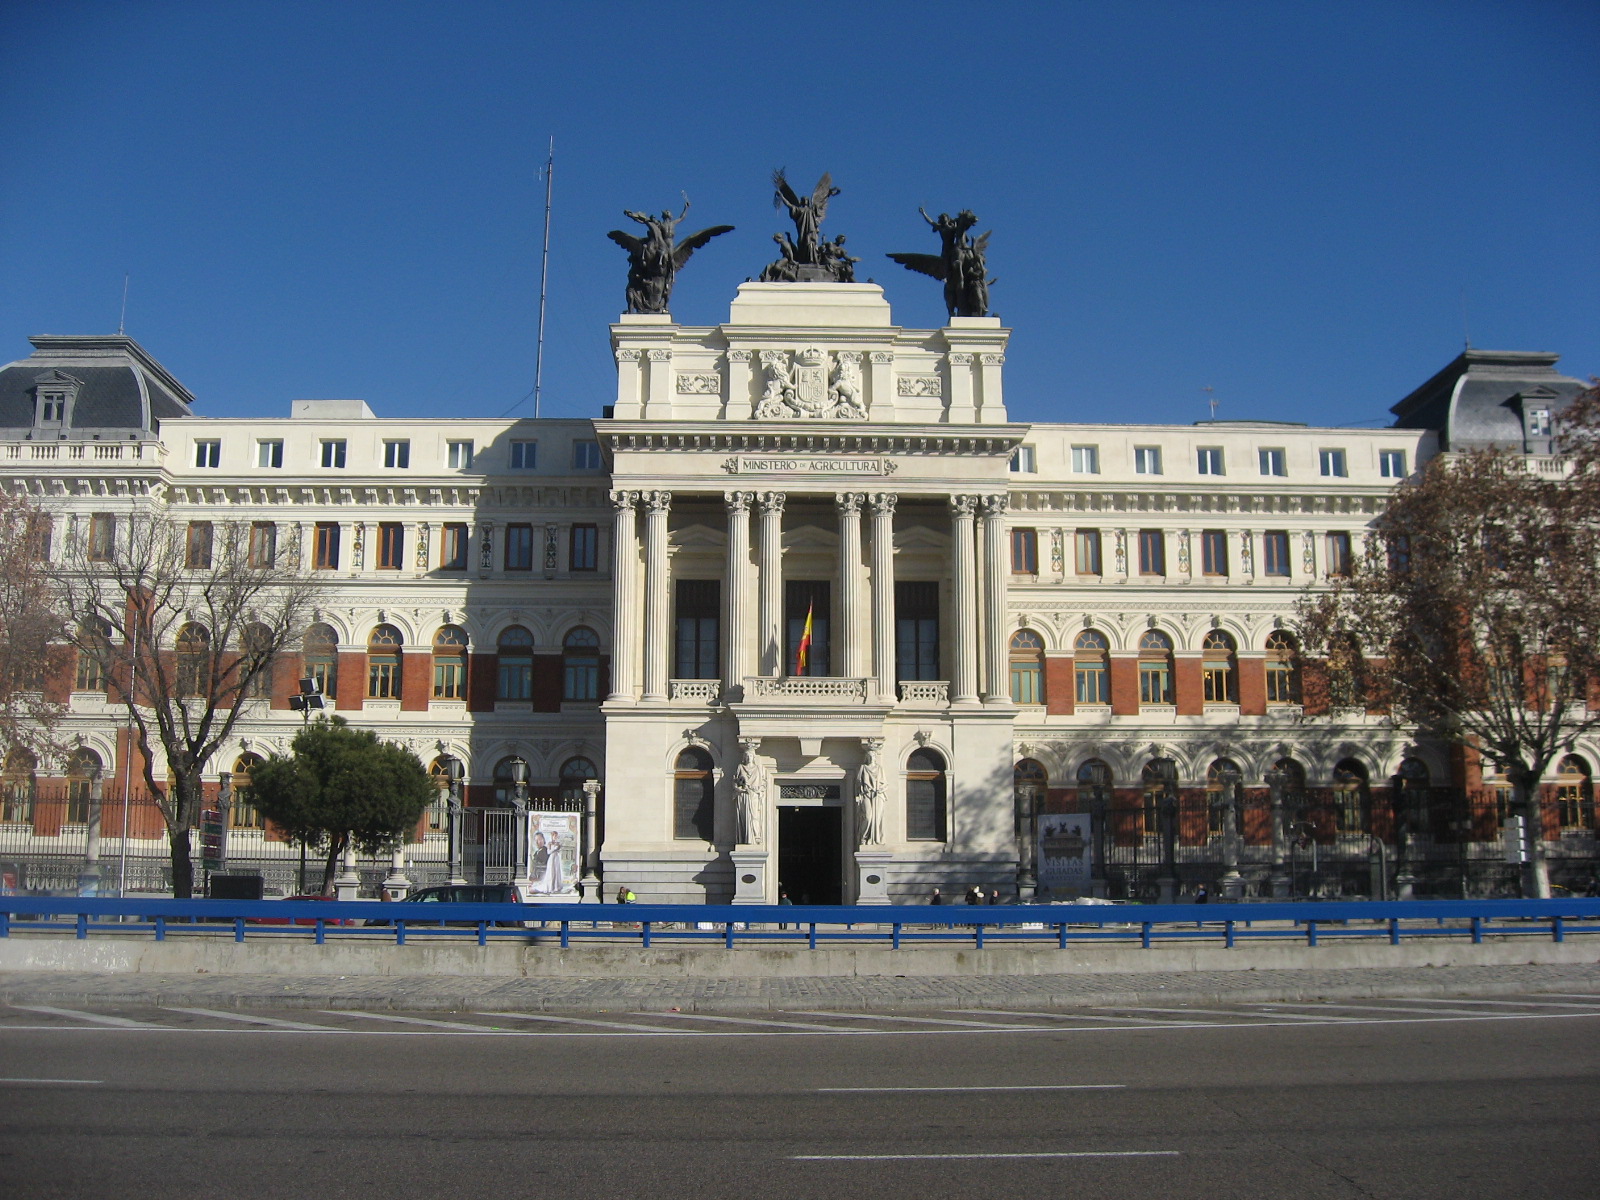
x=31 y=626
x=1477 y=606
x=342 y=786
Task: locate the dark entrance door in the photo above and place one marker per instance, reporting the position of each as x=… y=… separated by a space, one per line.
x=810 y=843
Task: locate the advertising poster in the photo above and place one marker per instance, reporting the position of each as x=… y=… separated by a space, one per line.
x=1066 y=849
x=553 y=852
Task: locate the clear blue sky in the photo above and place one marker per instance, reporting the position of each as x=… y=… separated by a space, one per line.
x=1285 y=201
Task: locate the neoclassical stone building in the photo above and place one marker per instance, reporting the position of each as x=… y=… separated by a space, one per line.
x=816 y=615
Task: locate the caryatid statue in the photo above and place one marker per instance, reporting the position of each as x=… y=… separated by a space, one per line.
x=655 y=259
x=870 y=795
x=959 y=263
x=750 y=790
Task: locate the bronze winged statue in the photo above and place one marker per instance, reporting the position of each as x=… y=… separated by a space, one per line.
x=655 y=259
x=807 y=258
x=959 y=264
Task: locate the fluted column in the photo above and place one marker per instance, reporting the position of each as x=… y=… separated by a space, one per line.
x=656 y=640
x=995 y=684
x=625 y=619
x=850 y=599
x=735 y=600
x=965 y=683
x=771 y=612
x=883 y=592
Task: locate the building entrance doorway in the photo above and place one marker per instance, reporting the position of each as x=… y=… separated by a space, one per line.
x=810 y=853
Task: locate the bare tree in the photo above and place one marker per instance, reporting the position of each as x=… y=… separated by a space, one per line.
x=187 y=620
x=30 y=629
x=1477 y=603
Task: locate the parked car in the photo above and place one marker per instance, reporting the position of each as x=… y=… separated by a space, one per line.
x=465 y=893
x=300 y=920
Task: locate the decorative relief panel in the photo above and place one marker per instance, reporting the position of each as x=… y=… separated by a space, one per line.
x=919 y=385
x=800 y=387
x=699 y=385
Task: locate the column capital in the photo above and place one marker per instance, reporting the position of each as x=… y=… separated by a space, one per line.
x=739 y=356
x=995 y=506
x=628 y=355
x=624 y=500
x=963 y=506
x=772 y=501
x=883 y=502
x=656 y=501
x=849 y=502
x=738 y=501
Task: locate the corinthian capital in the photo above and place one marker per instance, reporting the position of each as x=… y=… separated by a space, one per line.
x=738 y=501
x=994 y=506
x=657 y=501
x=849 y=503
x=624 y=501
x=772 y=501
x=883 y=502
x=963 y=506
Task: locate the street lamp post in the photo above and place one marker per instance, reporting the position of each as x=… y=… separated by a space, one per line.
x=1169 y=832
x=1027 y=810
x=89 y=877
x=519 y=803
x=453 y=815
x=1277 y=780
x=589 y=883
x=1232 y=881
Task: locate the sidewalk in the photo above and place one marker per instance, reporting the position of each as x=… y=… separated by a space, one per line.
x=443 y=993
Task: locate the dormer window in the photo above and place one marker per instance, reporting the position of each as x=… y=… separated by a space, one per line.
x=53 y=408
x=1539 y=422
x=54 y=393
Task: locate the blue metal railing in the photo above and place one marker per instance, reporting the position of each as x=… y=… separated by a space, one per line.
x=812 y=925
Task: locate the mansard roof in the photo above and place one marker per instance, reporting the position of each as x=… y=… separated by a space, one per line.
x=118 y=385
x=1481 y=399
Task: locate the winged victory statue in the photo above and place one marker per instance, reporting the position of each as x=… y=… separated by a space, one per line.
x=655 y=259
x=959 y=263
x=807 y=258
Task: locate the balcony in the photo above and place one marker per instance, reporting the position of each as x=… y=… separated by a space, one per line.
x=825 y=688
x=925 y=693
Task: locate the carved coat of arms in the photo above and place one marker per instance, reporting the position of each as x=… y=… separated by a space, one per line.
x=800 y=388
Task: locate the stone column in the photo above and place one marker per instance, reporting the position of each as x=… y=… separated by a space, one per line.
x=771 y=568
x=625 y=620
x=995 y=686
x=883 y=592
x=735 y=600
x=656 y=640
x=848 y=626
x=964 y=687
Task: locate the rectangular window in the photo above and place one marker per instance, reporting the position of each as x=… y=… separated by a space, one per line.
x=325 y=547
x=333 y=453
x=1155 y=683
x=449 y=679
x=1216 y=683
x=1337 y=550
x=52 y=408
x=1152 y=552
x=197 y=549
x=1539 y=423
x=383 y=677
x=39 y=529
x=397 y=454
x=1392 y=464
x=263 y=549
x=207 y=452
x=102 y=537
x=1332 y=464
x=1275 y=553
x=1086 y=460
x=698 y=629
x=458 y=455
x=1209 y=460
x=1086 y=550
x=916 y=629
x=1024 y=551
x=1092 y=683
x=802 y=596
x=1213 y=552
x=519 y=547
x=1273 y=462
x=453 y=547
x=1147 y=460
x=1024 y=461
x=269 y=452
x=391 y=546
x=1399 y=546
x=91 y=675
x=524 y=455
x=586 y=455
x=583 y=548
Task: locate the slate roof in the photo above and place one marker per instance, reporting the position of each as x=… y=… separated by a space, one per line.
x=122 y=387
x=1480 y=400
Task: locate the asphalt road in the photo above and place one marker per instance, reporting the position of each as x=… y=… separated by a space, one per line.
x=1375 y=1098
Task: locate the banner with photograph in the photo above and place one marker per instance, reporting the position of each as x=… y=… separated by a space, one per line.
x=553 y=852
x=1066 y=851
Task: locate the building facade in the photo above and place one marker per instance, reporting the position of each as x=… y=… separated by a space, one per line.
x=817 y=616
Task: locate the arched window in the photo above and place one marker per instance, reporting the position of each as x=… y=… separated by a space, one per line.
x=1155 y=668
x=573 y=774
x=1352 y=797
x=1221 y=776
x=925 y=796
x=1575 y=794
x=383 y=663
x=1219 y=668
x=83 y=768
x=1091 y=668
x=580 y=666
x=17 y=786
x=242 y=812
x=94 y=652
x=516 y=664
x=1094 y=783
x=321 y=658
x=193 y=660
x=505 y=779
x=1027 y=667
x=1293 y=784
x=255 y=661
x=450 y=663
x=1283 y=669
x=441 y=770
x=693 y=803
x=1158 y=780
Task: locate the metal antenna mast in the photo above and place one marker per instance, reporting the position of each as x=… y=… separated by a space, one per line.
x=544 y=276
x=1211 y=400
x=122 y=324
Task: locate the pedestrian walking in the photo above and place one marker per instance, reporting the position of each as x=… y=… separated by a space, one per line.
x=974 y=894
x=1201 y=895
x=935 y=897
x=783 y=898
x=994 y=895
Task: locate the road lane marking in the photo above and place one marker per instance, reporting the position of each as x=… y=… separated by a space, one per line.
x=1498 y=1003
x=901 y=1017
x=744 y=1021
x=615 y=1025
x=52 y=1080
x=1232 y=1012
x=1025 y=1154
x=270 y=1022
x=990 y=1087
x=1130 y=1022
x=1595 y=996
x=95 y=1018
x=460 y=1026
x=1403 y=1014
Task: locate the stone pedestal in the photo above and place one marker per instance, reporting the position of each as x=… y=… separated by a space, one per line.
x=750 y=875
x=348 y=882
x=872 y=876
x=1280 y=884
x=1232 y=885
x=1169 y=889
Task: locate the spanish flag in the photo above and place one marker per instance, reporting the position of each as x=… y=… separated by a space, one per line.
x=802 y=656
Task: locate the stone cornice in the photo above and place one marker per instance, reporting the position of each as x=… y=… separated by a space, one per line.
x=1114 y=498
x=811 y=437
